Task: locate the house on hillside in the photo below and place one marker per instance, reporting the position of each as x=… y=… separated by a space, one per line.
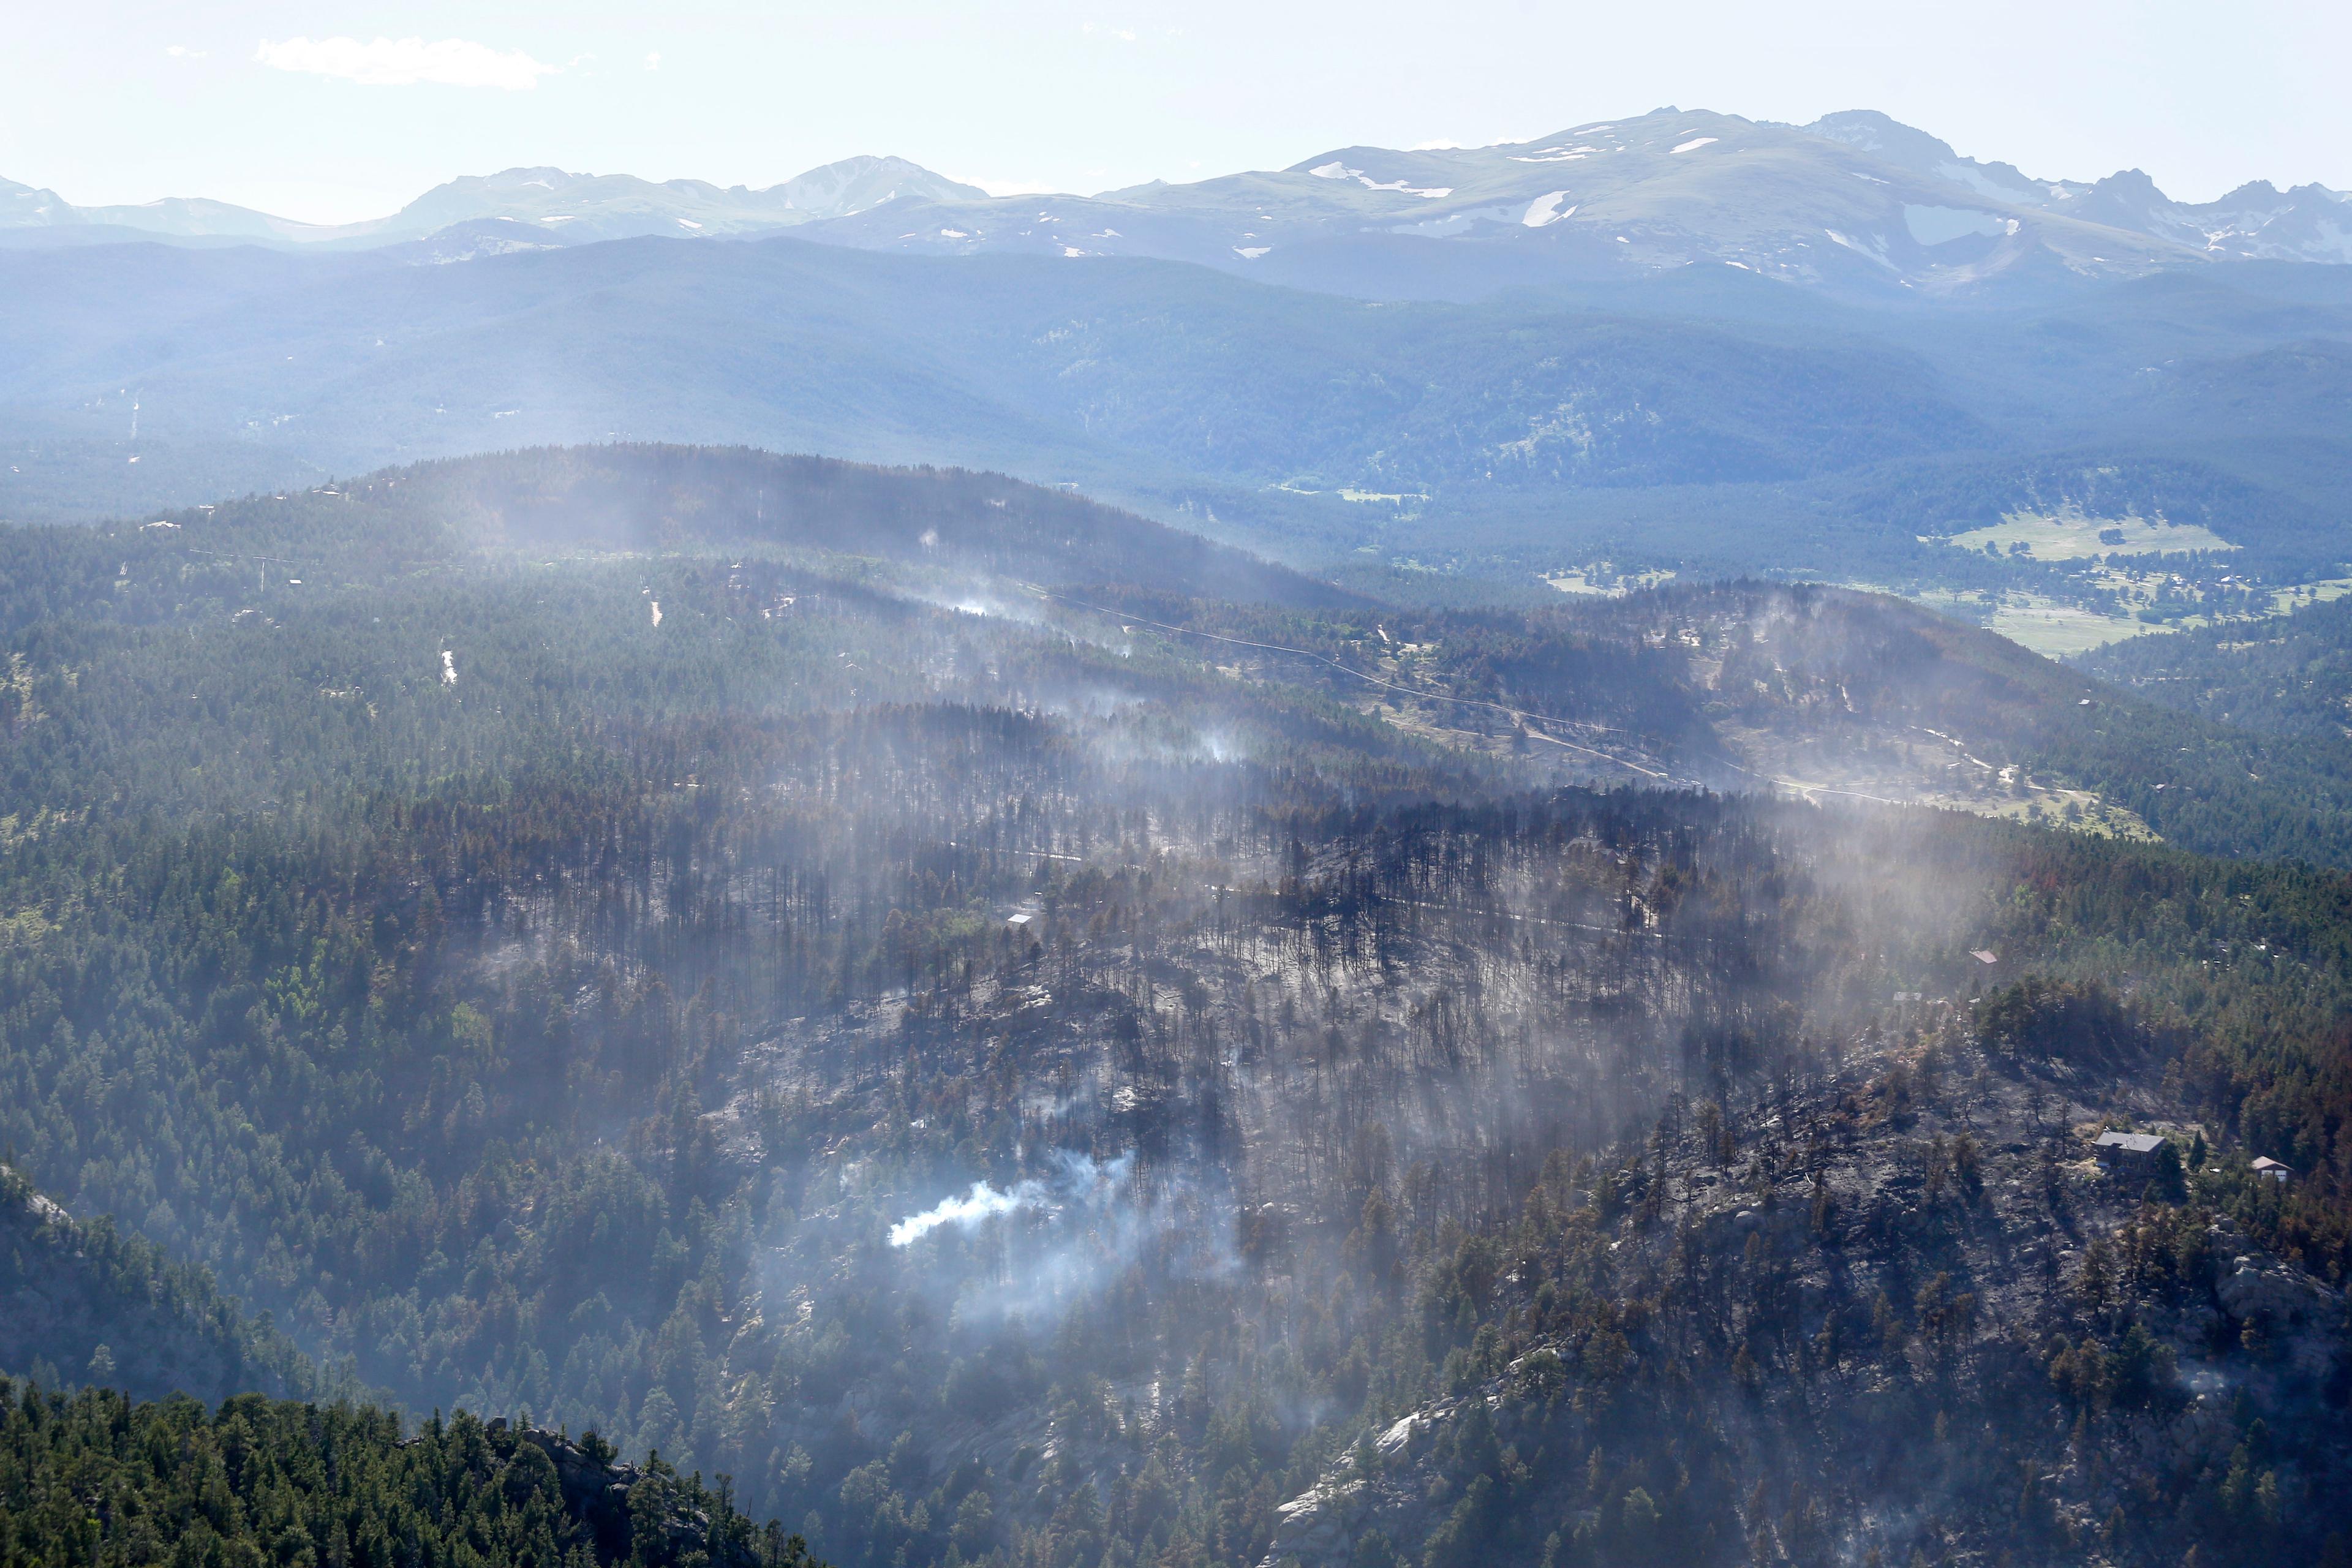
x=2127 y=1153
x=2270 y=1170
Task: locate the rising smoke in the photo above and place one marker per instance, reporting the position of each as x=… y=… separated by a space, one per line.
x=983 y=1202
x=1079 y=1181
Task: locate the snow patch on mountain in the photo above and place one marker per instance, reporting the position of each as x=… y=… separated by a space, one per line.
x=1336 y=170
x=1545 y=209
x=1870 y=248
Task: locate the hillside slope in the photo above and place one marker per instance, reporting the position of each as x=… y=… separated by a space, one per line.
x=119 y=1481
x=628 y=497
x=2287 y=676
x=1142 y=367
x=1822 y=692
x=1009 y=1076
x=90 y=1303
x=1899 y=1313
x=1710 y=425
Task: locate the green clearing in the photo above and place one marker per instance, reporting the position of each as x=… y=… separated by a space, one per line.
x=2058 y=629
x=2049 y=627
x=2054 y=630
x=1604 y=582
x=2068 y=534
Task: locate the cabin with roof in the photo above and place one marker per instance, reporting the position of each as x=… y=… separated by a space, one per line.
x=2272 y=1170
x=2127 y=1153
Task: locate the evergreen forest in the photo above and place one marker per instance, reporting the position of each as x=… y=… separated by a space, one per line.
x=688 y=1008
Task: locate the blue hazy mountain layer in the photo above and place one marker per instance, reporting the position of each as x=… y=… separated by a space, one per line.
x=1713 y=420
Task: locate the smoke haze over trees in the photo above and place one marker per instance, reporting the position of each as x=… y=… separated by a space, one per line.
x=983 y=1030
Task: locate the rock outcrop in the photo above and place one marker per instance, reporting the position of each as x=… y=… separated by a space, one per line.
x=1765 y=1358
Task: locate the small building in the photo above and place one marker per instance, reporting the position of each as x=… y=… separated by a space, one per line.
x=2270 y=1170
x=2127 y=1153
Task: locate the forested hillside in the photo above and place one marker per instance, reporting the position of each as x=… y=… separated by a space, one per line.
x=96 y=1478
x=95 y=1304
x=1000 y=1034
x=1826 y=692
x=1894 y=1313
x=2291 y=675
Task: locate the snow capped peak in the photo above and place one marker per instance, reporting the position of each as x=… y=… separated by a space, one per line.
x=1884 y=189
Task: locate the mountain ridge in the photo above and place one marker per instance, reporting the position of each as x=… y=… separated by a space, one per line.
x=1855 y=199
x=619 y=207
x=2257 y=221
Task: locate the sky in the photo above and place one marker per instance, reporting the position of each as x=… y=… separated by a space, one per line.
x=333 y=113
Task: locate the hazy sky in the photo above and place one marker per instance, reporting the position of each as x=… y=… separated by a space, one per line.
x=335 y=111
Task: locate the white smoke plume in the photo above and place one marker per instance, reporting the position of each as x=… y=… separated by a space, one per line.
x=983 y=1202
x=1080 y=1183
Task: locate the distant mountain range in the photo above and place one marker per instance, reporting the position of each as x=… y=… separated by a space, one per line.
x=2255 y=222
x=1656 y=391
x=1856 y=198
x=516 y=209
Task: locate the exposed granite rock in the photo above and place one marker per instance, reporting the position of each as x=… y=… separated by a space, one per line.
x=597 y=1492
x=2256 y=1287
x=1870 y=1192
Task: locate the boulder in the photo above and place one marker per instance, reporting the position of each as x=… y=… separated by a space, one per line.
x=2260 y=1289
